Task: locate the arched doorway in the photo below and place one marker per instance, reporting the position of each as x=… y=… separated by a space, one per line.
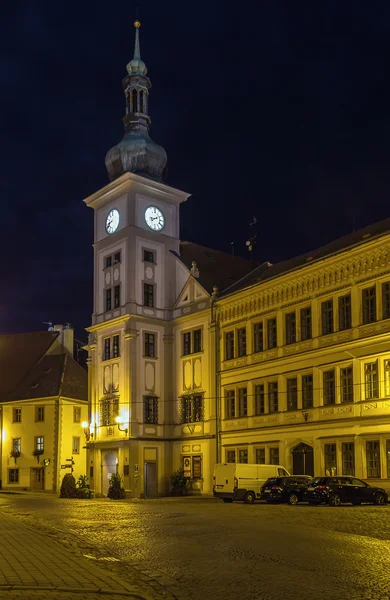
x=109 y=466
x=303 y=460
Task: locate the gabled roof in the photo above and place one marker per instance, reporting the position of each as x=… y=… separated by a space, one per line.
x=352 y=240
x=215 y=267
x=27 y=372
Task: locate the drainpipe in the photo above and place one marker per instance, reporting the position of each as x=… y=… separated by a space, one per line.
x=214 y=319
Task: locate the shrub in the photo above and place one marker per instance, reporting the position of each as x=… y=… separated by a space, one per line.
x=177 y=480
x=115 y=489
x=82 y=487
x=68 y=487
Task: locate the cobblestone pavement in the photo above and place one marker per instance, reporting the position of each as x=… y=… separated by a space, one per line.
x=198 y=549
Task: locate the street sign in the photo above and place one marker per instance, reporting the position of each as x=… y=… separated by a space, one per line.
x=66 y=467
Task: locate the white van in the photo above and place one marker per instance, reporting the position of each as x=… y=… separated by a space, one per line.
x=237 y=481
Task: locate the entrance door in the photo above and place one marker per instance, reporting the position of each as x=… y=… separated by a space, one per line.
x=150 y=475
x=37 y=479
x=109 y=467
x=303 y=460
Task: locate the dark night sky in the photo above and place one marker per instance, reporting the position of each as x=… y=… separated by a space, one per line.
x=275 y=109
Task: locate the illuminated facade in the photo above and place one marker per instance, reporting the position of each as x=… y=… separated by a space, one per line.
x=43 y=402
x=305 y=361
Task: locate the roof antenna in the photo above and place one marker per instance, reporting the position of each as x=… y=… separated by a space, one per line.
x=51 y=327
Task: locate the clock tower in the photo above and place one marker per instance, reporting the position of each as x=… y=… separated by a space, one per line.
x=136 y=245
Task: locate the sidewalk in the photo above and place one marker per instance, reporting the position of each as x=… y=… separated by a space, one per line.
x=35 y=566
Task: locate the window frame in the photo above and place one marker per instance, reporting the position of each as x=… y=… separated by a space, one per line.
x=76 y=446
x=369 y=305
x=345 y=312
x=327 y=317
x=13 y=475
x=241 y=341
x=117 y=296
x=40 y=413
x=149 y=299
x=77 y=414
x=385 y=289
x=230 y=404
x=116 y=346
x=149 y=344
x=329 y=387
x=229 y=345
x=292 y=387
x=306 y=323
x=259 y=396
x=150 y=409
x=307 y=386
x=290 y=323
x=273 y=396
x=16 y=412
x=258 y=337
x=272 y=333
x=108 y=299
x=147 y=254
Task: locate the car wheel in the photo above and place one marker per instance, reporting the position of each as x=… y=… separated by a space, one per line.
x=227 y=500
x=380 y=499
x=293 y=499
x=334 y=500
x=249 y=498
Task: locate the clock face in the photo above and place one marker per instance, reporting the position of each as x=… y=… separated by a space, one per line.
x=154 y=218
x=112 y=221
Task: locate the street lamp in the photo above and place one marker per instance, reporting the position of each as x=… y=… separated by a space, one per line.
x=87 y=432
x=119 y=422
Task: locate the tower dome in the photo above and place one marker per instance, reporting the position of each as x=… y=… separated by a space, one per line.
x=136 y=152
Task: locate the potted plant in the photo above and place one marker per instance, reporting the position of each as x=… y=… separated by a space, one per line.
x=37 y=453
x=178 y=483
x=14 y=454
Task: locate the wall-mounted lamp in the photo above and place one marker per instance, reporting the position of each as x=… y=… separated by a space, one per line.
x=87 y=432
x=119 y=422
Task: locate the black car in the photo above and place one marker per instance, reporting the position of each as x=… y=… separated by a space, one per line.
x=337 y=490
x=285 y=489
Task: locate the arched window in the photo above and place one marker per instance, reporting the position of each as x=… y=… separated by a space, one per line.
x=141 y=102
x=127 y=102
x=134 y=99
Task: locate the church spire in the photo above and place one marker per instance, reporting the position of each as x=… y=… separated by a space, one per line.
x=136 y=152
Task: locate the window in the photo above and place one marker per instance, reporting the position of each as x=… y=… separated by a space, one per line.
x=307 y=391
x=243 y=456
x=386 y=300
x=306 y=323
x=260 y=456
x=241 y=341
x=76 y=445
x=150 y=345
x=273 y=396
x=39 y=413
x=109 y=410
x=329 y=387
x=151 y=409
x=187 y=343
x=230 y=456
x=348 y=458
x=272 y=333
x=369 y=305
x=108 y=261
x=292 y=394
x=117 y=296
x=196 y=467
x=386 y=366
x=330 y=460
x=345 y=312
x=115 y=346
x=371 y=380
x=327 y=317
x=13 y=475
x=108 y=299
x=258 y=339
x=259 y=399
x=230 y=404
x=229 y=345
x=242 y=402
x=291 y=328
x=192 y=409
x=39 y=443
x=16 y=445
x=16 y=415
x=148 y=256
x=197 y=340
x=76 y=414
x=107 y=352
x=274 y=456
x=148 y=294
x=346 y=385
x=117 y=258
x=373 y=459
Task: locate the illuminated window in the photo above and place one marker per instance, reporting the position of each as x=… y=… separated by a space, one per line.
x=386 y=300
x=258 y=337
x=292 y=394
x=148 y=295
x=16 y=445
x=346 y=386
x=39 y=413
x=230 y=456
x=76 y=445
x=348 y=458
x=109 y=410
x=272 y=333
x=151 y=409
x=241 y=341
x=39 y=443
x=274 y=456
x=307 y=391
x=259 y=399
x=330 y=459
x=373 y=459
x=16 y=415
x=150 y=345
x=229 y=345
x=192 y=408
x=327 y=317
x=329 y=386
x=306 y=323
x=260 y=456
x=273 y=396
x=243 y=456
x=230 y=404
x=371 y=380
x=291 y=328
x=76 y=414
x=13 y=475
x=345 y=312
x=242 y=402
x=369 y=305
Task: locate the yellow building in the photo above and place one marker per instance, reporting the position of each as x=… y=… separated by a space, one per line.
x=43 y=402
x=305 y=361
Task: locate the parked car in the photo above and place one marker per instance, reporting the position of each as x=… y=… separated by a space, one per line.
x=285 y=489
x=337 y=490
x=239 y=481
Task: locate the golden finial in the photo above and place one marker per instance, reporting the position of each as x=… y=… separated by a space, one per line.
x=137 y=24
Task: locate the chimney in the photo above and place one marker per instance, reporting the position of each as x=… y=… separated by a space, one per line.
x=66 y=337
